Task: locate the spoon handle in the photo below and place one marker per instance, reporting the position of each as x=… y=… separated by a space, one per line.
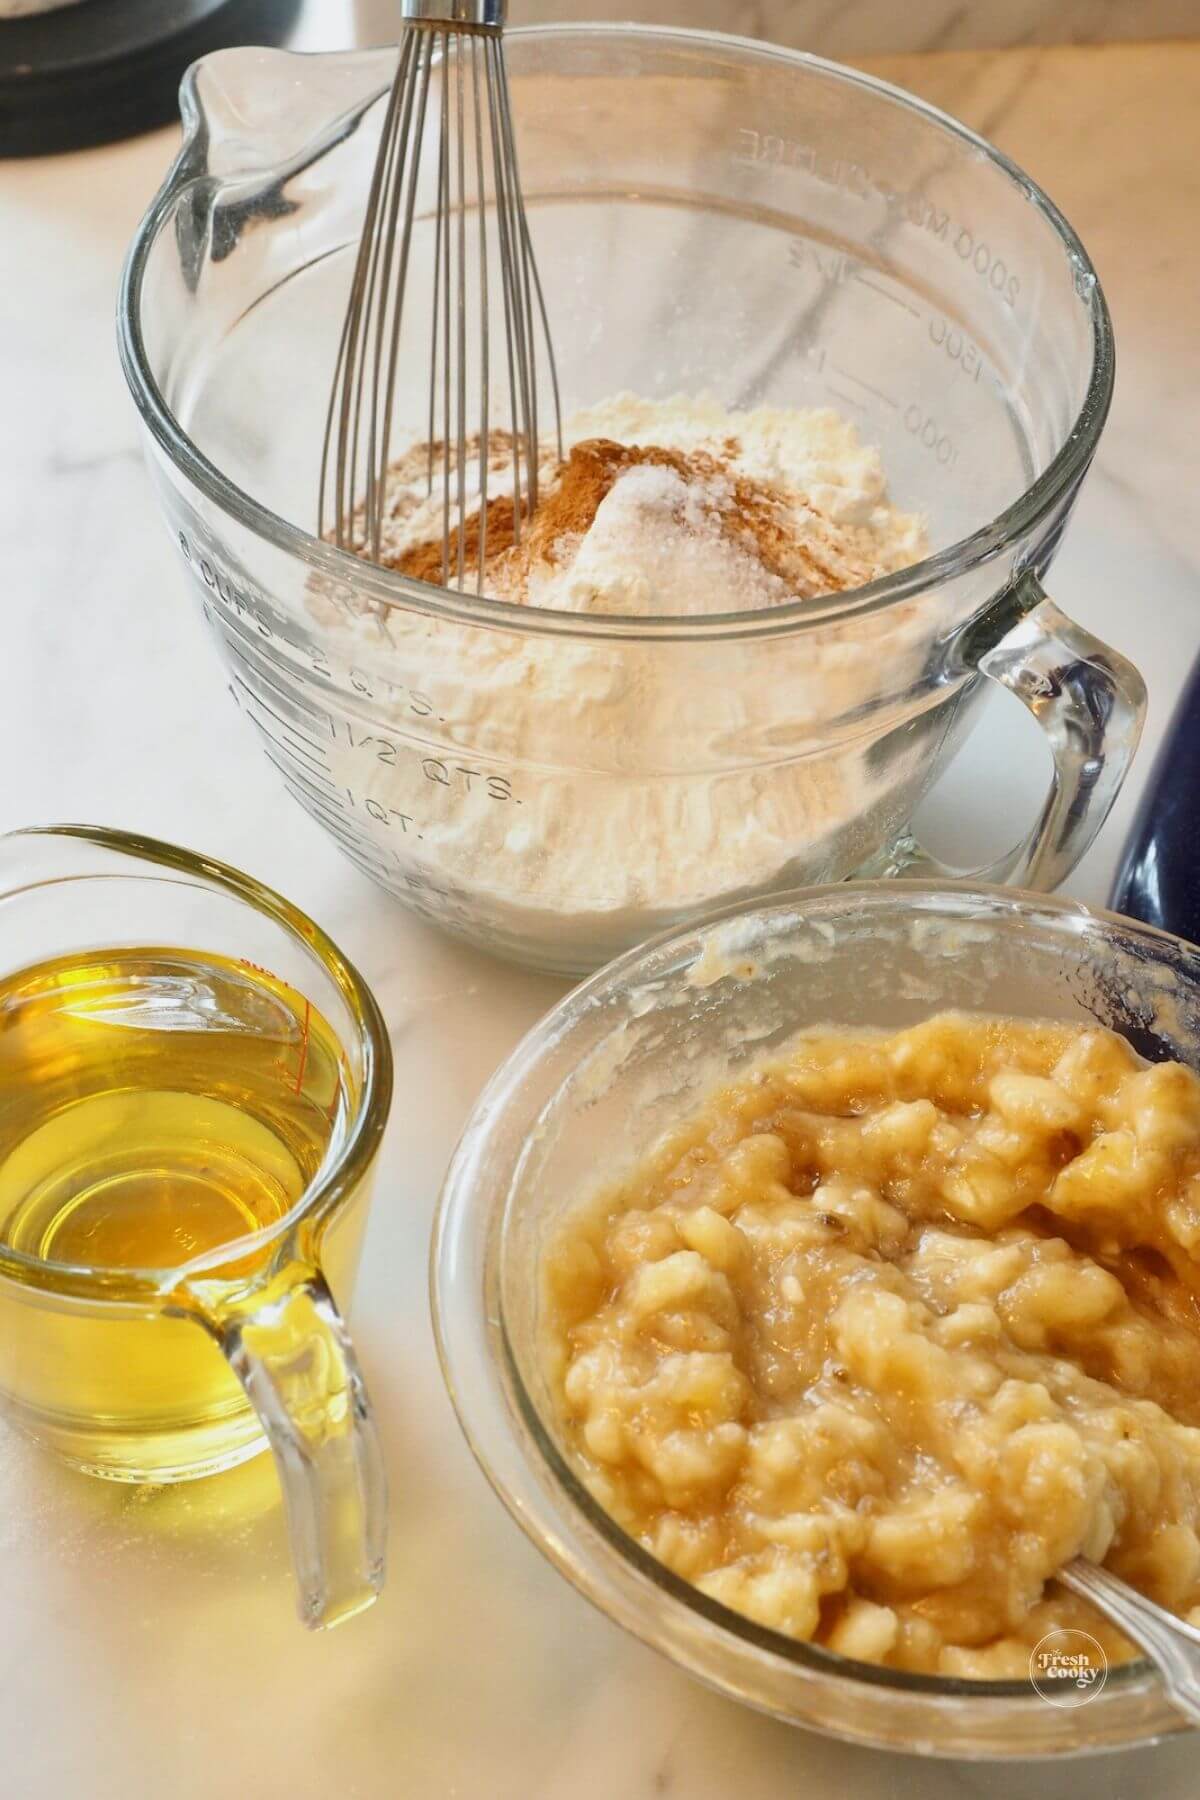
x=1172 y=1645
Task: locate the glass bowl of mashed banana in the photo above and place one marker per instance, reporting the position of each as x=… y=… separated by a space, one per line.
x=831 y=371
x=814 y=1285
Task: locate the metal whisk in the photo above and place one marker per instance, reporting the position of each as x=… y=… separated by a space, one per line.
x=451 y=85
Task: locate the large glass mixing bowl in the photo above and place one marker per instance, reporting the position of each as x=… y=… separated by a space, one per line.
x=710 y=215
x=595 y=1085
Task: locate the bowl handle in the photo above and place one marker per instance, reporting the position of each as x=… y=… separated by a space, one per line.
x=1090 y=702
x=289 y=1348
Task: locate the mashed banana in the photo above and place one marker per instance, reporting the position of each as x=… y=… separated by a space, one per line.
x=893 y=1328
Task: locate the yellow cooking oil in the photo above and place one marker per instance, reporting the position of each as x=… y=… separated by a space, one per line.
x=156 y=1105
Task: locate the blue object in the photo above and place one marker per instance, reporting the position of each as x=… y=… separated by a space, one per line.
x=1159 y=878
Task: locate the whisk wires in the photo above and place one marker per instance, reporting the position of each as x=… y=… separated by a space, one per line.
x=447 y=149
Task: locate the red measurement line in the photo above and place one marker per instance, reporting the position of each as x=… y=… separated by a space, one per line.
x=304 y=1046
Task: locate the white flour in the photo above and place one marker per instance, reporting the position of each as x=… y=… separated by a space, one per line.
x=564 y=797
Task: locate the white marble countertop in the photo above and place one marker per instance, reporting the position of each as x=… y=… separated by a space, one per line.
x=147 y=1640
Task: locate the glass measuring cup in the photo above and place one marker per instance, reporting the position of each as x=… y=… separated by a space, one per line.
x=163 y=1374
x=710 y=215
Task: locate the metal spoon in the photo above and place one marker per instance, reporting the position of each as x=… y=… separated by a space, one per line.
x=1172 y=1646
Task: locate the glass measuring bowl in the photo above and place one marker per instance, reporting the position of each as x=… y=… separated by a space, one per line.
x=119 y=1370
x=598 y=1081
x=710 y=215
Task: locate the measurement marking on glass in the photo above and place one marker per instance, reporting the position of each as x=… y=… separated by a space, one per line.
x=293 y=746
x=322 y=792
x=314 y=762
x=285 y=744
x=328 y=807
x=337 y=829
x=317 y=718
x=319 y=769
x=323 y=787
x=375 y=866
x=929 y=433
x=331 y=812
x=316 y=715
x=334 y=823
x=376 y=871
x=961 y=350
x=339 y=833
x=390 y=816
x=846 y=399
x=888 y=294
x=294 y=730
x=849 y=375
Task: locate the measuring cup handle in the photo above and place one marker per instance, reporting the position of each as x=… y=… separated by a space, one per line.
x=1091 y=704
x=292 y=1353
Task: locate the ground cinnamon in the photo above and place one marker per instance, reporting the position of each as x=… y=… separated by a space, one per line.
x=756 y=516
